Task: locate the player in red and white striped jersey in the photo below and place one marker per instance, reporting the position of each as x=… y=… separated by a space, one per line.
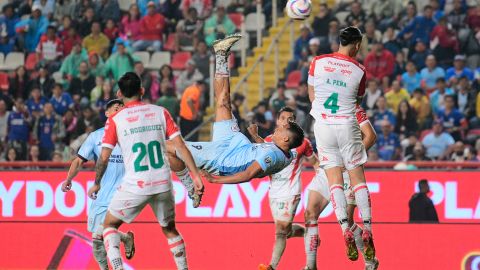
x=336 y=85
x=319 y=197
x=285 y=189
x=141 y=131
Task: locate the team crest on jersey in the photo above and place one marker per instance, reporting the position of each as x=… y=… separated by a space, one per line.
x=133 y=119
x=99 y=143
x=268 y=160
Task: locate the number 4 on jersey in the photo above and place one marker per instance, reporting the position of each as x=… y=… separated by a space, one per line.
x=332 y=103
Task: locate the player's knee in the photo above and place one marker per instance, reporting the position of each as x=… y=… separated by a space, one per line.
x=170 y=229
x=309 y=215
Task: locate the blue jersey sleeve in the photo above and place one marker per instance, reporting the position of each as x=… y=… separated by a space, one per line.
x=86 y=151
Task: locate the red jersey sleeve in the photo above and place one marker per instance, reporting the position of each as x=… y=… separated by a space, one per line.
x=110 y=137
x=172 y=130
x=268 y=138
x=311 y=70
x=362 y=86
x=362 y=117
x=308 y=148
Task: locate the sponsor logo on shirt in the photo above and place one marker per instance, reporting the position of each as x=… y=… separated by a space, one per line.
x=268 y=160
x=346 y=72
x=132 y=119
x=329 y=69
x=338 y=64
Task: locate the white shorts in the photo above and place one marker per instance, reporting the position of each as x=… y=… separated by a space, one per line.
x=284 y=209
x=319 y=184
x=126 y=206
x=339 y=146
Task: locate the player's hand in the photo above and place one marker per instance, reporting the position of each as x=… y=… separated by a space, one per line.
x=253 y=130
x=208 y=176
x=198 y=185
x=67 y=185
x=92 y=192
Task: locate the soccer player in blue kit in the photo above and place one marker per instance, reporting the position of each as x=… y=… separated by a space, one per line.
x=90 y=150
x=230 y=157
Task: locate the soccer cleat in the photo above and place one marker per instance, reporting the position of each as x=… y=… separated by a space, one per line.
x=372 y=265
x=308 y=268
x=368 y=247
x=196 y=199
x=129 y=245
x=352 y=251
x=226 y=43
x=265 y=267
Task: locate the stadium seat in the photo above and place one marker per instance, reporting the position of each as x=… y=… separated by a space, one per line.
x=4 y=83
x=179 y=60
x=424 y=133
x=143 y=56
x=243 y=43
x=293 y=79
x=237 y=19
x=158 y=59
x=13 y=60
x=170 y=44
x=31 y=62
x=251 y=23
x=341 y=16
x=125 y=4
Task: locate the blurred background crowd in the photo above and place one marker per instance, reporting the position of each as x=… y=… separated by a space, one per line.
x=60 y=61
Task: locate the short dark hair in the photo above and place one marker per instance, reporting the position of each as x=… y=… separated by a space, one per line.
x=59 y=85
x=350 y=35
x=440 y=80
x=449 y=96
x=297 y=135
x=287 y=109
x=422 y=182
x=113 y=102
x=130 y=84
x=427 y=7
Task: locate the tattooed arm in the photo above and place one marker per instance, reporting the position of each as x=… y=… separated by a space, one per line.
x=100 y=169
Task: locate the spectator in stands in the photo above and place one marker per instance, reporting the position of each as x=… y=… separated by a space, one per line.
x=152 y=27
x=369 y=101
x=281 y=100
x=18 y=128
x=109 y=10
x=437 y=97
x=385 y=12
x=57 y=156
x=143 y=6
x=7 y=45
x=217 y=26
x=101 y=102
x=60 y=100
x=302 y=99
x=420 y=55
x=130 y=25
x=172 y=12
x=188 y=30
x=321 y=21
x=166 y=75
x=70 y=65
x=85 y=24
x=3 y=124
x=111 y=31
x=201 y=57
x=421 y=105
x=203 y=7
x=300 y=49
x=69 y=40
x=36 y=102
x=457 y=16
x=169 y=101
x=66 y=25
x=379 y=62
x=96 y=92
x=120 y=62
x=382 y=113
x=454 y=121
x=145 y=76
x=18 y=84
x=418 y=154
x=388 y=143
x=408 y=15
x=190 y=105
x=411 y=79
x=12 y=155
x=445 y=43
x=357 y=16
x=421 y=206
x=48 y=130
x=390 y=41
x=396 y=95
x=34 y=155
x=400 y=65
x=82 y=84
x=88 y=121
x=189 y=76
x=8 y=20
x=32 y=29
x=438 y=12
x=97 y=41
x=263 y=119
x=406 y=121
x=371 y=36
x=47 y=7
x=430 y=73
x=96 y=66
x=70 y=122
x=438 y=142
x=49 y=50
x=460 y=153
x=44 y=81
x=313 y=51
x=237 y=102
x=420 y=28
x=466 y=97
x=458 y=70
x=332 y=37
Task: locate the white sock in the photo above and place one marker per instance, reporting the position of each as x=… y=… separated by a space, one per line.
x=111 y=240
x=362 y=197
x=221 y=64
x=357 y=232
x=278 y=248
x=186 y=179
x=297 y=231
x=312 y=241
x=177 y=247
x=339 y=203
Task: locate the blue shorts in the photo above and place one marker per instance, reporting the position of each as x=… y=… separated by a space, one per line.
x=96 y=217
x=207 y=154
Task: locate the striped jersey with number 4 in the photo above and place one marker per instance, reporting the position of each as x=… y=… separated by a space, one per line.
x=141 y=131
x=338 y=81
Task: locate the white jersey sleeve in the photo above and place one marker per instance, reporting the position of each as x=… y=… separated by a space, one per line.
x=338 y=81
x=141 y=131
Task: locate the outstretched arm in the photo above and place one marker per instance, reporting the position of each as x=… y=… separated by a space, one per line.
x=251 y=172
x=100 y=169
x=72 y=172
